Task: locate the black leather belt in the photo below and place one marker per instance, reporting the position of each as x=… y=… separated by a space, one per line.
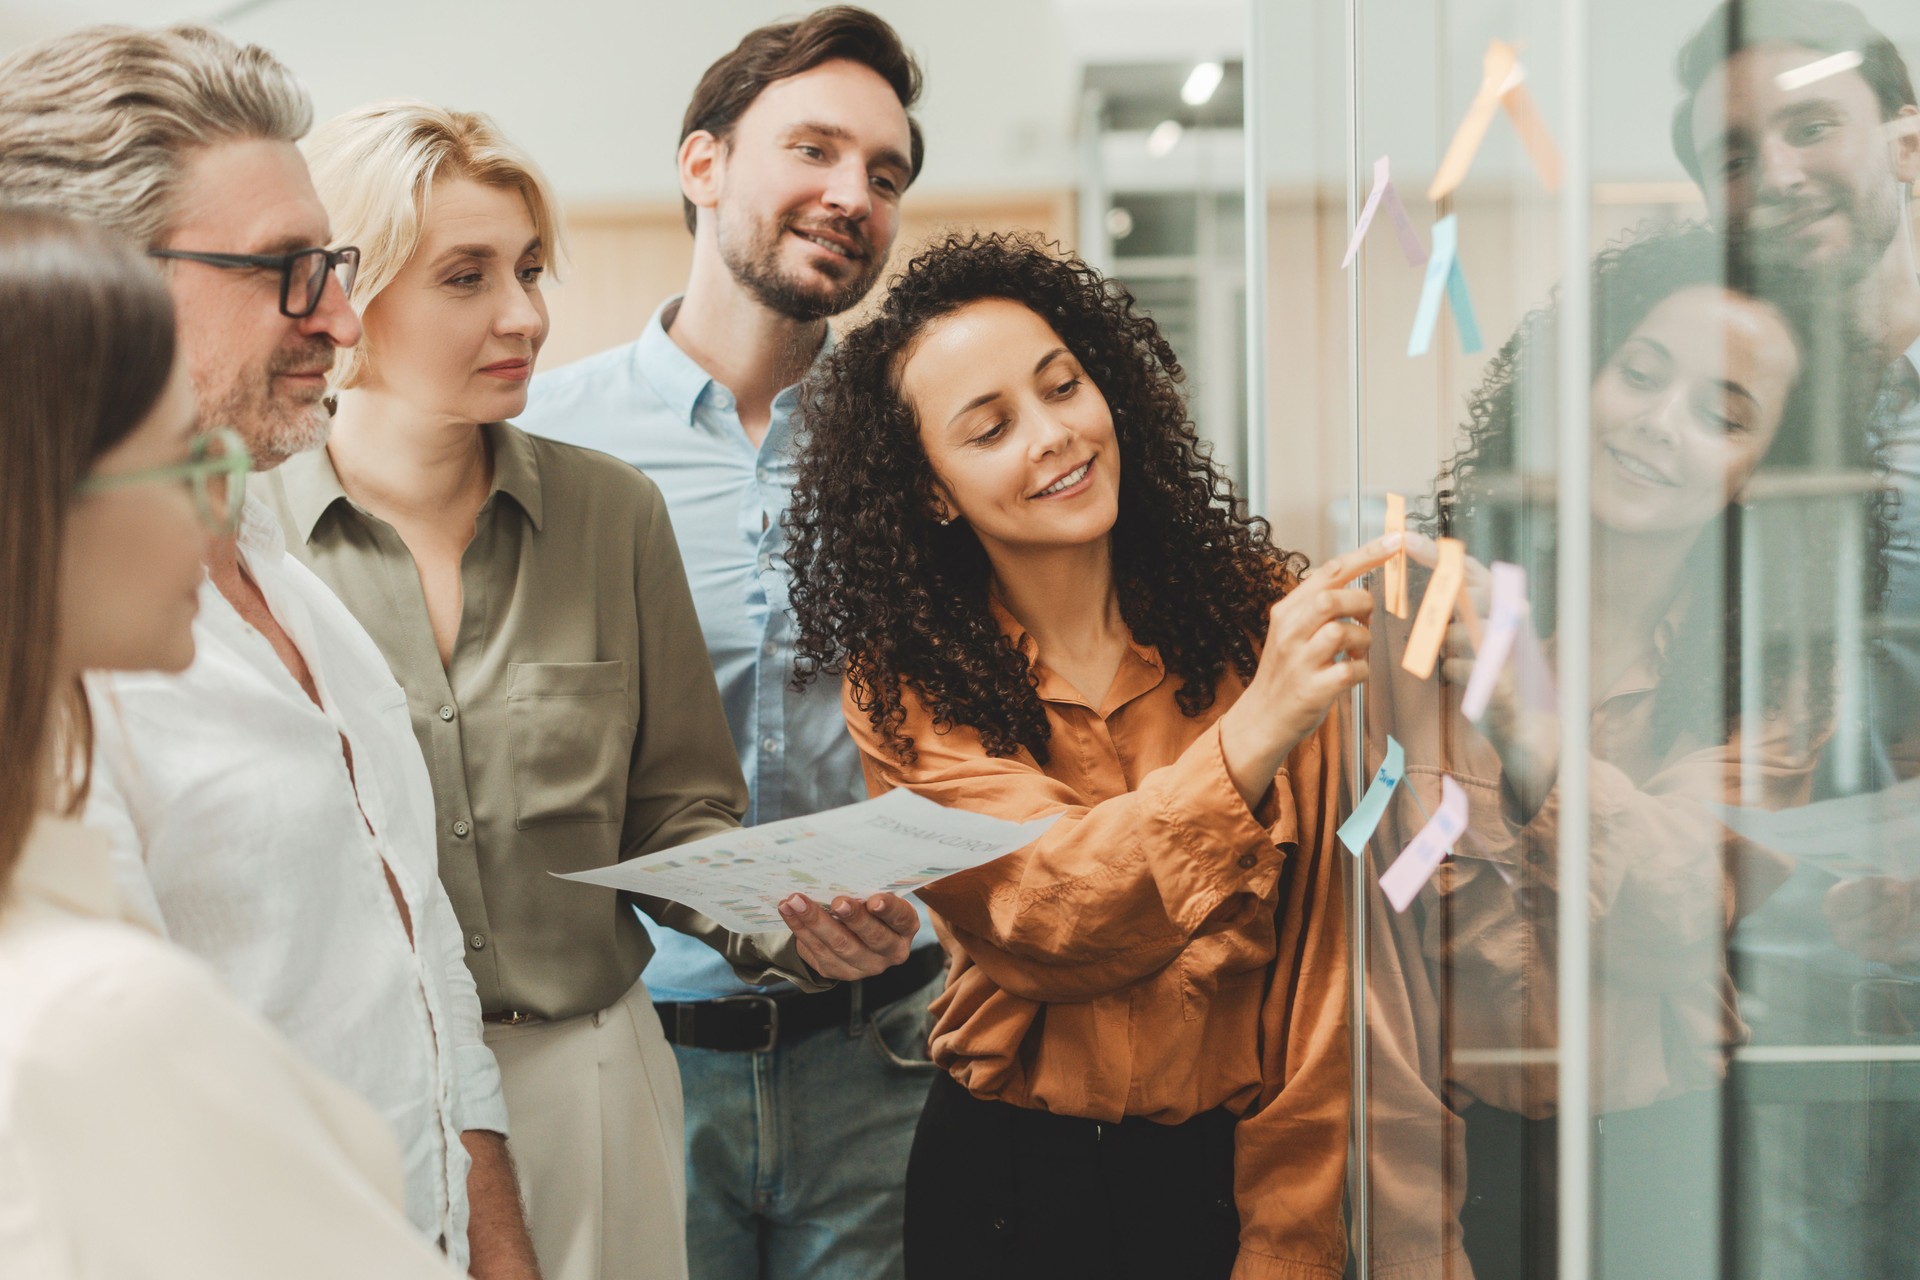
x=755 y=1023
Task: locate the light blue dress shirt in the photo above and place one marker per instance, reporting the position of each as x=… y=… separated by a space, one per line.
x=651 y=405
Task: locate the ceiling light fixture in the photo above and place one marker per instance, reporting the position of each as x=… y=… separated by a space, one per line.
x=1164 y=138
x=1201 y=82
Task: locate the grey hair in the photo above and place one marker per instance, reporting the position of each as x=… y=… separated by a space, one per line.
x=97 y=123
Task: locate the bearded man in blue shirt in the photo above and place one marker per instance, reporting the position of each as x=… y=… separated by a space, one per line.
x=794 y=155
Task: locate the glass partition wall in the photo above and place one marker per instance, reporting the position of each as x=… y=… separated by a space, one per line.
x=1656 y=1012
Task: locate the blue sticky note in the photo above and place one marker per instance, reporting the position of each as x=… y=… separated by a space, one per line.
x=1445 y=277
x=1462 y=303
x=1358 y=828
x=1446 y=246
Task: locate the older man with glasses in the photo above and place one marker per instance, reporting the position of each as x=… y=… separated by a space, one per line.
x=270 y=808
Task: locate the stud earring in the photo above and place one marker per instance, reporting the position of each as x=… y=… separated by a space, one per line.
x=945 y=521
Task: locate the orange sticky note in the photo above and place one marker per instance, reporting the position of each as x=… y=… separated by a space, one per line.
x=1436 y=609
x=1394 y=581
x=1496 y=67
x=1503 y=84
x=1532 y=129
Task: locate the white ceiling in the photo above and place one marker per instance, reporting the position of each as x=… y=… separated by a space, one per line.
x=595 y=88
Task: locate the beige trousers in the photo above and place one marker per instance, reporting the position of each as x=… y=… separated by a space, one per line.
x=598 y=1139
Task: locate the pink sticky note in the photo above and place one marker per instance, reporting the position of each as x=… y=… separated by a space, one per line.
x=1504 y=620
x=1383 y=192
x=1537 y=686
x=1425 y=852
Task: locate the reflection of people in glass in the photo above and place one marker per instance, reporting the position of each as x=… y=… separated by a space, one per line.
x=1047 y=601
x=1697 y=387
x=1813 y=179
x=1813 y=174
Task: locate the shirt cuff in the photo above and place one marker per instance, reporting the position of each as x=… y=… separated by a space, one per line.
x=1205 y=811
x=479 y=1102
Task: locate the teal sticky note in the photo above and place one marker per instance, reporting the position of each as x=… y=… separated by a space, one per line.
x=1445 y=278
x=1446 y=247
x=1462 y=303
x=1358 y=828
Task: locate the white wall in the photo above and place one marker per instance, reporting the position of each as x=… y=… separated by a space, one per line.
x=596 y=88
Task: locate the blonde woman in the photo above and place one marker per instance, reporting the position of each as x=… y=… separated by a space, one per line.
x=530 y=597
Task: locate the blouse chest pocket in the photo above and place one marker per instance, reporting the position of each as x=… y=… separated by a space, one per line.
x=570 y=727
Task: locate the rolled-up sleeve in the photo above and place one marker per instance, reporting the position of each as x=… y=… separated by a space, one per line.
x=1113 y=891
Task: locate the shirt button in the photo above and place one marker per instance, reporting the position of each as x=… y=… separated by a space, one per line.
x=478 y=942
x=770 y=648
x=762 y=475
x=770 y=745
x=461 y=828
x=446 y=713
x=1247 y=861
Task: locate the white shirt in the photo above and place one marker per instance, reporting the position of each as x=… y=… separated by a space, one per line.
x=239 y=830
x=151 y=1128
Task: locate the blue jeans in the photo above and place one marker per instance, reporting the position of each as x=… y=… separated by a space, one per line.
x=797 y=1158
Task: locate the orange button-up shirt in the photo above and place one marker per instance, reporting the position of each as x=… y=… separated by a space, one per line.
x=1124 y=964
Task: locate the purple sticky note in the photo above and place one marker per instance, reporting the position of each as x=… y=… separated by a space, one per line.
x=1384 y=192
x=1504 y=620
x=1425 y=852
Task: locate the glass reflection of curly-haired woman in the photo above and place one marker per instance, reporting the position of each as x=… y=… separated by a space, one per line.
x=1704 y=386
x=1046 y=600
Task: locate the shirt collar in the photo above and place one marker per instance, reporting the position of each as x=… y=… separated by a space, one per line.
x=312 y=485
x=1643 y=674
x=70 y=866
x=677 y=377
x=1143 y=673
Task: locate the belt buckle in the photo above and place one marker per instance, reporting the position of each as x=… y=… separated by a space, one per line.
x=773 y=1017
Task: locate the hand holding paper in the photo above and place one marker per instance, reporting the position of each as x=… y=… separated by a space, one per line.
x=891 y=845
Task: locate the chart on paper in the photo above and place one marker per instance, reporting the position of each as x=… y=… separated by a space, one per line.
x=894 y=844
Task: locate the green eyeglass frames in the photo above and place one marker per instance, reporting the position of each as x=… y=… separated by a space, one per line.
x=215 y=473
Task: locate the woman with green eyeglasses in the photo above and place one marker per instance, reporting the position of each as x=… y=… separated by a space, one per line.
x=150 y=1128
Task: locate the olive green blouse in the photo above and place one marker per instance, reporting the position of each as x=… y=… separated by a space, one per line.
x=576 y=725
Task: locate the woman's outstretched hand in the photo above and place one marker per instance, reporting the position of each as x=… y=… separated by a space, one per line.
x=1316 y=650
x=852 y=938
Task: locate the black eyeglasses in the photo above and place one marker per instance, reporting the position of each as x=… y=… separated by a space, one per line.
x=303 y=273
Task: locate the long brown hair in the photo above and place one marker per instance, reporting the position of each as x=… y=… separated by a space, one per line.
x=86 y=348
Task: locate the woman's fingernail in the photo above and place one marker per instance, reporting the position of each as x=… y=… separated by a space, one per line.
x=794 y=906
x=842 y=908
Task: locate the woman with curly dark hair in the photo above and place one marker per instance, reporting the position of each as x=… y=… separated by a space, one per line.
x=1045 y=599
x=1704 y=385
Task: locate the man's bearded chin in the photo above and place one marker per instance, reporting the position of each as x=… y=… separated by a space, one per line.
x=756 y=265
x=1873 y=223
x=275 y=428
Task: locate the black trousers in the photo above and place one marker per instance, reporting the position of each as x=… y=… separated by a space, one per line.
x=998 y=1192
